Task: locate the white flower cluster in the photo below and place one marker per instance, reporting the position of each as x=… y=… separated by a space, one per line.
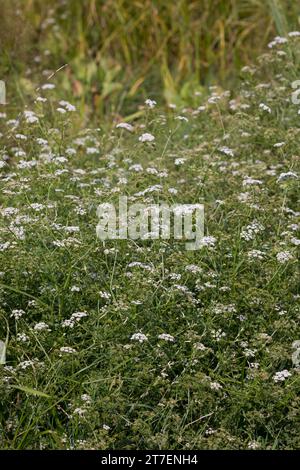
x=104 y=295
x=66 y=106
x=278 y=40
x=284 y=257
x=265 y=108
x=139 y=265
x=17 y=313
x=285 y=176
x=208 y=241
x=42 y=326
x=150 y=103
x=215 y=386
x=75 y=318
x=248 y=181
x=166 y=337
x=218 y=334
x=227 y=151
x=281 y=376
x=251 y=230
x=193 y=268
x=256 y=254
x=146 y=137
x=140 y=337
x=30 y=117
x=125 y=125
x=67 y=350
x=21 y=337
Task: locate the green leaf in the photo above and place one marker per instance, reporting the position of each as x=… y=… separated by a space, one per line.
x=32 y=391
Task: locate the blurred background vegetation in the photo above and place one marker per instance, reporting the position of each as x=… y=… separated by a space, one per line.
x=121 y=51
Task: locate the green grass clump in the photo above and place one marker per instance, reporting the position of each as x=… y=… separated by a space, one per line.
x=75 y=374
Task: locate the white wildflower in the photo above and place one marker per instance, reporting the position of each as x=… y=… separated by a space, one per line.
x=179 y=161
x=150 y=103
x=17 y=313
x=140 y=337
x=215 y=386
x=22 y=337
x=68 y=106
x=182 y=118
x=67 y=350
x=248 y=181
x=281 y=376
x=264 y=107
x=146 y=137
x=285 y=176
x=256 y=254
x=125 y=125
x=30 y=117
x=208 y=241
x=166 y=337
x=227 y=151
x=253 y=445
x=48 y=86
x=79 y=412
x=42 y=326
x=294 y=34
x=284 y=256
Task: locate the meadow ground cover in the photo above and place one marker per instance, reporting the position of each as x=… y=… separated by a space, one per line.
x=142 y=344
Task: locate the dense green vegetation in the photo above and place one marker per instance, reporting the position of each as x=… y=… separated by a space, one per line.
x=143 y=344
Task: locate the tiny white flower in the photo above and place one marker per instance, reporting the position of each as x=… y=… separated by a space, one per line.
x=40 y=99
x=30 y=117
x=295 y=241
x=42 y=326
x=166 y=337
x=278 y=40
x=284 y=257
x=285 y=176
x=22 y=337
x=281 y=376
x=68 y=106
x=227 y=151
x=86 y=398
x=125 y=125
x=253 y=445
x=294 y=34
x=79 y=411
x=208 y=241
x=67 y=350
x=75 y=289
x=179 y=161
x=172 y=190
x=264 y=107
x=215 y=386
x=48 y=86
x=199 y=347
x=182 y=118
x=17 y=313
x=150 y=103
x=140 y=337
x=146 y=137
